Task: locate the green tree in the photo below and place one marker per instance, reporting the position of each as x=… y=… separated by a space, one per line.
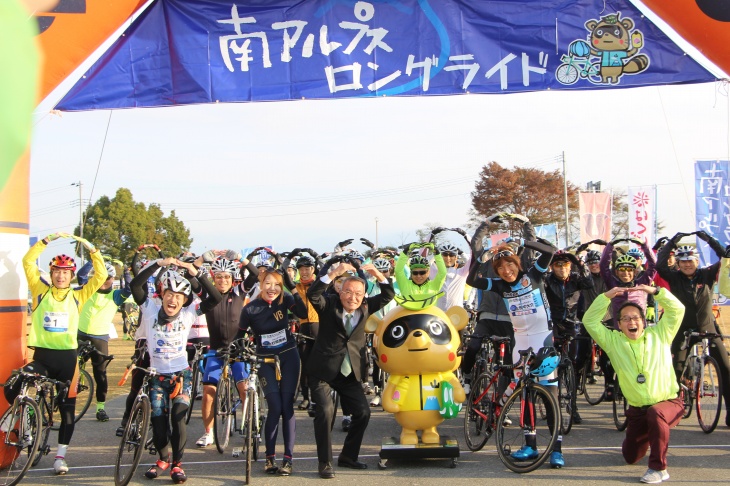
x=117 y=226
x=534 y=193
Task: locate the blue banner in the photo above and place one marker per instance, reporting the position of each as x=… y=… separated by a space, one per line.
x=712 y=198
x=208 y=51
x=548 y=232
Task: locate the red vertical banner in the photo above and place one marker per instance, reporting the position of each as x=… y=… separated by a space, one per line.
x=595 y=216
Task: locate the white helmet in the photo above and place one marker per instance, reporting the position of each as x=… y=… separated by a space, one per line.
x=382 y=264
x=222 y=265
x=171 y=280
x=449 y=248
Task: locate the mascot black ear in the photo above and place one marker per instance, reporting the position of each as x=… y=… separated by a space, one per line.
x=458 y=316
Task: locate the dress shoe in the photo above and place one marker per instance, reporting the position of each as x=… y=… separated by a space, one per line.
x=325 y=470
x=343 y=461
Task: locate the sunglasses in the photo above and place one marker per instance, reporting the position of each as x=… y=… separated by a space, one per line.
x=448 y=254
x=501 y=254
x=419 y=273
x=271 y=270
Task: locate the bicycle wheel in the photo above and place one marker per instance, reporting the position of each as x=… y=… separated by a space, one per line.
x=45 y=407
x=479 y=413
x=688 y=382
x=620 y=405
x=566 y=74
x=19 y=427
x=262 y=410
x=251 y=421
x=133 y=442
x=592 y=383
x=708 y=395
x=84 y=394
x=194 y=392
x=566 y=395
x=511 y=439
x=222 y=415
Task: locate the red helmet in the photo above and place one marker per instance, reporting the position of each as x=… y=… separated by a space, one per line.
x=64 y=262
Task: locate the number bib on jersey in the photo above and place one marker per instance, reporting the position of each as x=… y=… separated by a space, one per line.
x=55 y=321
x=274 y=339
x=522 y=305
x=167 y=345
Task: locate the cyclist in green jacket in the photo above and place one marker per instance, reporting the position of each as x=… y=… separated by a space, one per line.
x=419 y=282
x=642 y=359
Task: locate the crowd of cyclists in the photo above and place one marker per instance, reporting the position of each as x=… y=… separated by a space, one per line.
x=522 y=287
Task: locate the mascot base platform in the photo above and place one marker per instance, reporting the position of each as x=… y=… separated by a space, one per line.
x=447 y=448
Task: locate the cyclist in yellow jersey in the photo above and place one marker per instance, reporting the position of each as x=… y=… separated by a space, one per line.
x=55 y=322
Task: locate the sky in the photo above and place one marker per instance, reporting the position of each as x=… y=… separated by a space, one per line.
x=312 y=173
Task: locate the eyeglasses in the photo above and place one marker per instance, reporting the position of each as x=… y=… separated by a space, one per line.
x=631 y=319
x=350 y=293
x=222 y=276
x=419 y=273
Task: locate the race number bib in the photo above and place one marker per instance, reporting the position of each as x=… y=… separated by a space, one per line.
x=166 y=346
x=522 y=305
x=274 y=339
x=55 y=321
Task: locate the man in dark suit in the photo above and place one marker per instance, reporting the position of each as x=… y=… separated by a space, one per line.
x=338 y=359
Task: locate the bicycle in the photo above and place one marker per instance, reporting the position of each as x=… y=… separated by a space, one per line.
x=523 y=403
x=591 y=378
x=254 y=410
x=26 y=425
x=482 y=405
x=577 y=67
x=620 y=406
x=701 y=382
x=566 y=383
x=198 y=370
x=137 y=434
x=85 y=386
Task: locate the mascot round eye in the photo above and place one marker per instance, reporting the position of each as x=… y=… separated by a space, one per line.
x=617 y=32
x=397 y=332
x=599 y=33
x=435 y=328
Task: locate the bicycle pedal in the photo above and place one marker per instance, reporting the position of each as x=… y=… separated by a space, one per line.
x=236 y=452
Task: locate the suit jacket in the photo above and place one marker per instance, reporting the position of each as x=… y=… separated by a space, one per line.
x=332 y=341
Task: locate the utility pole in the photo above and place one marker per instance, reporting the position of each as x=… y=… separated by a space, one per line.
x=80 y=252
x=376 y=232
x=565 y=201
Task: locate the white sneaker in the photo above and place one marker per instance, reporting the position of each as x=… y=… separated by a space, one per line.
x=653 y=477
x=59 y=466
x=205 y=440
x=375 y=401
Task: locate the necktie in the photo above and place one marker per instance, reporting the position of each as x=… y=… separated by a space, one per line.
x=346 y=367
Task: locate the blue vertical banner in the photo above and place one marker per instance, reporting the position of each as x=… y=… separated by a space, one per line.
x=712 y=199
x=548 y=232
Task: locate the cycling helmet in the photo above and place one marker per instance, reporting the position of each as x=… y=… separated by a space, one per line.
x=171 y=280
x=593 y=256
x=64 y=262
x=418 y=262
x=545 y=362
x=305 y=261
x=221 y=265
x=561 y=256
x=356 y=255
x=449 y=248
x=686 y=252
x=382 y=264
x=625 y=261
x=636 y=253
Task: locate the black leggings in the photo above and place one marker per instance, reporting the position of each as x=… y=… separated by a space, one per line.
x=178 y=436
x=57 y=364
x=310 y=329
x=99 y=365
x=486 y=328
